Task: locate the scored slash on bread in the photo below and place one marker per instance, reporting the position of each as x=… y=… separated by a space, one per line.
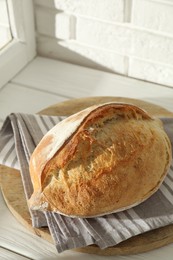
x=103 y=159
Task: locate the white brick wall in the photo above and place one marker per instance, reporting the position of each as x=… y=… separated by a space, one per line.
x=110 y=10
x=149 y=71
x=153 y=15
x=130 y=37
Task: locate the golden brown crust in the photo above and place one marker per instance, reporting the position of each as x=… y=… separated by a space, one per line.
x=115 y=157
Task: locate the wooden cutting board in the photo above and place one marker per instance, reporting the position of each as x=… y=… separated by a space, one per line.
x=13 y=193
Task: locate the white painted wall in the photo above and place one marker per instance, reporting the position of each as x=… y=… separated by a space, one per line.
x=129 y=37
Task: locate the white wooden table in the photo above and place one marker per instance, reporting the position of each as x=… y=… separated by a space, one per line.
x=45 y=82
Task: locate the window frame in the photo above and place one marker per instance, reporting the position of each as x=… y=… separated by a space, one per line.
x=22 y=49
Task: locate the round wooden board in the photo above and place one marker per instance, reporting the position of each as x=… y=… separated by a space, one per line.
x=13 y=193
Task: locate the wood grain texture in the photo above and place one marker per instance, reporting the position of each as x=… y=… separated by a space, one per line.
x=71 y=81
x=16 y=201
x=68 y=107
x=12 y=188
x=15 y=98
x=7 y=254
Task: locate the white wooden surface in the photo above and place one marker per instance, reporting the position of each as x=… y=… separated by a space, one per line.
x=16 y=98
x=42 y=83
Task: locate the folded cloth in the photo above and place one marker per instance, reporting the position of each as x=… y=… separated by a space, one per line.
x=19 y=136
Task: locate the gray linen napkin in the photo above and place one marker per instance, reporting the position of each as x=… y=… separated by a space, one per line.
x=18 y=138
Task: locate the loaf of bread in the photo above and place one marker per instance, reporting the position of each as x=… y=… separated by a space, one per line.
x=104 y=159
